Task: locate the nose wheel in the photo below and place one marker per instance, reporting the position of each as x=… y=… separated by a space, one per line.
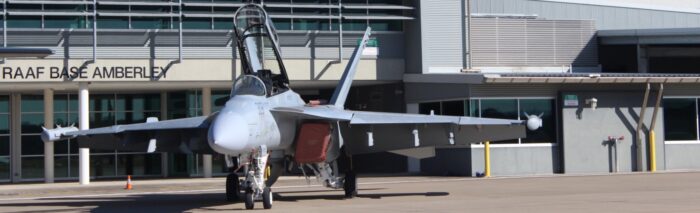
x=249 y=199
x=256 y=175
x=267 y=198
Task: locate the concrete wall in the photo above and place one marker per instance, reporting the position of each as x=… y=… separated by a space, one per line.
x=585 y=132
x=682 y=156
x=517 y=159
x=506 y=160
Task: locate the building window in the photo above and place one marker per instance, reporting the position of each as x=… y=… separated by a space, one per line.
x=106 y=110
x=680 y=119
x=189 y=104
x=184 y=104
x=150 y=23
x=282 y=24
x=545 y=108
x=77 y=22
x=223 y=24
x=514 y=109
x=219 y=99
x=65 y=108
x=4 y=138
x=112 y=22
x=24 y=22
x=430 y=108
x=455 y=108
x=304 y=18
x=499 y=108
x=32 y=148
x=304 y=24
x=197 y=23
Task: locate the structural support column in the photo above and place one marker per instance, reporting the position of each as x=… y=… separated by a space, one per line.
x=206 y=111
x=84 y=118
x=642 y=59
x=652 y=135
x=48 y=146
x=15 y=137
x=487 y=159
x=413 y=163
x=638 y=135
x=164 y=116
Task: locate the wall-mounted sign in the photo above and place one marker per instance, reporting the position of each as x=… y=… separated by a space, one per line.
x=58 y=70
x=571 y=100
x=55 y=72
x=372 y=47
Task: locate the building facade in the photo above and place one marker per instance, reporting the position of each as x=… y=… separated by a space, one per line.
x=483 y=58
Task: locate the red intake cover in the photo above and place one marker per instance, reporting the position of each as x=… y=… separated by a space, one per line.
x=312 y=142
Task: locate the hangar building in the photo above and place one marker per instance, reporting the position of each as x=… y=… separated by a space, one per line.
x=484 y=58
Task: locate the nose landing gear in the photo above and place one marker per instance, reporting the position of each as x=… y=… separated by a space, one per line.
x=254 y=187
x=254 y=183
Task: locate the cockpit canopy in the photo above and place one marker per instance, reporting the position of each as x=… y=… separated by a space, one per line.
x=259 y=48
x=252 y=19
x=249 y=85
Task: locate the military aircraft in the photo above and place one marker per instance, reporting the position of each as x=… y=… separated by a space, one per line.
x=266 y=125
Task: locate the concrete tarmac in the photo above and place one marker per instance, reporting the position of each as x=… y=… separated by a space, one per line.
x=639 y=192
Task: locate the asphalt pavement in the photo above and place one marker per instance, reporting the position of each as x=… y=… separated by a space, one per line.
x=635 y=192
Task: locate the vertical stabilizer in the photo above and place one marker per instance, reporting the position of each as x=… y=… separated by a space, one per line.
x=341 y=91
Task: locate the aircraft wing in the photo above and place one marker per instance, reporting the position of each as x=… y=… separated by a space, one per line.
x=185 y=123
x=179 y=135
x=368 y=132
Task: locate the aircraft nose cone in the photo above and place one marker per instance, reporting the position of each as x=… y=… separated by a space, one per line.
x=229 y=133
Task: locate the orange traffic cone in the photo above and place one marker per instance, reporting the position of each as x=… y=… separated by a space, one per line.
x=128 y=183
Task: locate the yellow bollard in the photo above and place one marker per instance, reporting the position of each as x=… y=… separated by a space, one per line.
x=487 y=159
x=652 y=151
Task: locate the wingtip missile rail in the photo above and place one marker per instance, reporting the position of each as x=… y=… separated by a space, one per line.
x=57 y=134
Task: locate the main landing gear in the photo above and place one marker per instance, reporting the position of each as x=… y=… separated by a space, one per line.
x=350 y=179
x=350 y=185
x=233 y=187
x=328 y=174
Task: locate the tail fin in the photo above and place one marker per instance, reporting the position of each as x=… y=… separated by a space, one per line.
x=341 y=91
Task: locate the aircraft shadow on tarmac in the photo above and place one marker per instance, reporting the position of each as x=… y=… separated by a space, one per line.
x=154 y=203
x=282 y=198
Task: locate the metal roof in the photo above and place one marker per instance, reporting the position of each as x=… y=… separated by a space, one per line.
x=650 y=36
x=577 y=78
x=650 y=32
x=11 y=52
x=552 y=78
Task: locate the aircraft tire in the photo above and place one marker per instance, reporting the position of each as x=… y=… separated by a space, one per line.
x=350 y=185
x=249 y=199
x=232 y=187
x=267 y=198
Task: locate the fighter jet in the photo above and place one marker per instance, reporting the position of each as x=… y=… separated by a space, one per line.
x=265 y=125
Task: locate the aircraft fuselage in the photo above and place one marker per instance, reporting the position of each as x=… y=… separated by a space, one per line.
x=246 y=123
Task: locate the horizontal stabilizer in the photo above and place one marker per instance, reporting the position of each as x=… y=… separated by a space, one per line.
x=417 y=153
